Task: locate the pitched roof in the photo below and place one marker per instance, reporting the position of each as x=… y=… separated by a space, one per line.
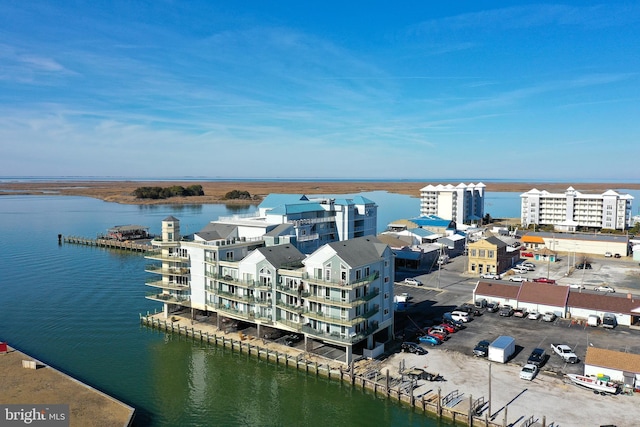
x=612 y=359
x=281 y=255
x=359 y=251
x=215 y=231
x=543 y=293
x=604 y=302
x=392 y=240
x=499 y=290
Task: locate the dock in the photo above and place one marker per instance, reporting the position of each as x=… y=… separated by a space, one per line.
x=128 y=245
x=27 y=381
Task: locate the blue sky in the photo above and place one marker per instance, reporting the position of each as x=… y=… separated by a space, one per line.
x=256 y=89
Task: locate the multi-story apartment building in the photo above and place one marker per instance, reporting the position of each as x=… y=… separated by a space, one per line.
x=463 y=203
x=340 y=295
x=569 y=210
x=317 y=221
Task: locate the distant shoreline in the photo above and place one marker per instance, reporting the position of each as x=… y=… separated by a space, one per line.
x=122 y=191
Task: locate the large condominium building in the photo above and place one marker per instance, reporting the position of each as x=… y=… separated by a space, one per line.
x=463 y=203
x=569 y=210
x=340 y=295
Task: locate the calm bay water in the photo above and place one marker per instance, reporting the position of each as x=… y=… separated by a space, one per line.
x=76 y=308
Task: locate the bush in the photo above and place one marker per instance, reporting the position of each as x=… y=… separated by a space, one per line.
x=237 y=195
x=165 y=193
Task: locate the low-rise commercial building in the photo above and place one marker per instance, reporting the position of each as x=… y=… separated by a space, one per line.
x=491 y=255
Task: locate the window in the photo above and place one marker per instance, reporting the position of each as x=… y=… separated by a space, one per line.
x=473 y=267
x=358 y=274
x=386 y=279
x=473 y=252
x=229 y=256
x=386 y=295
x=386 y=311
x=491 y=254
x=481 y=253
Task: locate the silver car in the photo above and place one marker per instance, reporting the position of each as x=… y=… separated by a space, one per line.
x=528 y=372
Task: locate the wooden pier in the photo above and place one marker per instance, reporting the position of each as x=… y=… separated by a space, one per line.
x=127 y=245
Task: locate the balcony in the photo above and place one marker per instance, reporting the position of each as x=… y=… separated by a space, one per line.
x=341 y=284
x=235 y=297
x=294 y=326
x=290 y=307
x=336 y=337
x=169 y=299
x=167 y=258
x=171 y=271
x=167 y=285
x=249 y=284
x=232 y=312
x=292 y=291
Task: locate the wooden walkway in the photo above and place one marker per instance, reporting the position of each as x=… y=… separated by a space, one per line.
x=109 y=243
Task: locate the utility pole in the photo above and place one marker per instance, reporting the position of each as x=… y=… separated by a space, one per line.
x=489 y=408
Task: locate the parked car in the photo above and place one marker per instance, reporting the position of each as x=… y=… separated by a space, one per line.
x=493 y=276
x=461 y=316
x=528 y=264
x=526 y=254
x=520 y=312
x=469 y=308
x=440 y=334
x=537 y=357
x=481 y=349
x=604 y=288
x=577 y=286
x=583 y=266
x=528 y=372
x=545 y=280
x=456 y=324
x=617 y=256
x=520 y=270
x=292 y=339
x=430 y=339
x=481 y=303
x=506 y=311
x=517 y=279
x=549 y=317
x=608 y=254
x=493 y=307
x=534 y=315
x=411 y=347
x=412 y=281
x=528 y=267
x=449 y=328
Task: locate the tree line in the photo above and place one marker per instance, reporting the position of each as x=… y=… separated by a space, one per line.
x=167 y=192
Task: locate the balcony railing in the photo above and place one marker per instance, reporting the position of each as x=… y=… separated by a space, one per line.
x=343 y=338
x=250 y=284
x=167 y=285
x=342 y=283
x=167 y=258
x=173 y=271
x=290 y=307
x=296 y=326
x=169 y=299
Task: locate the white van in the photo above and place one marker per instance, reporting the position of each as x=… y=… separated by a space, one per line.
x=593 y=320
x=460 y=316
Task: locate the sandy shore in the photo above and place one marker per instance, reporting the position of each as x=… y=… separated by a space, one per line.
x=122 y=191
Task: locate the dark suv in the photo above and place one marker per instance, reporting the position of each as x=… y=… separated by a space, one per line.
x=537 y=357
x=583 y=266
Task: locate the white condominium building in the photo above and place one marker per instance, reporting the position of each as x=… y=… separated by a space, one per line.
x=569 y=210
x=340 y=295
x=463 y=203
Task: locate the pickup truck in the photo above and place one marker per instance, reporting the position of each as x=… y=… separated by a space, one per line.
x=565 y=352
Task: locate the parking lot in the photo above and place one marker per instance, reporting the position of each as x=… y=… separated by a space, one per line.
x=453 y=287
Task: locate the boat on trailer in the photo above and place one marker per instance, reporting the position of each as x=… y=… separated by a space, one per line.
x=599 y=385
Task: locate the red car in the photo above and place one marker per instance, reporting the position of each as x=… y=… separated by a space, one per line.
x=526 y=254
x=437 y=334
x=448 y=328
x=545 y=280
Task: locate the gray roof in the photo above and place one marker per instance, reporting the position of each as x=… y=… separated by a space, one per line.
x=279 y=230
x=214 y=231
x=359 y=251
x=171 y=218
x=281 y=255
x=494 y=240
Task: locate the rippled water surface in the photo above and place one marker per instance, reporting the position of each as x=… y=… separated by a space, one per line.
x=76 y=308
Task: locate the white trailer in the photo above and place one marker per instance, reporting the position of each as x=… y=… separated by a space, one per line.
x=501 y=349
